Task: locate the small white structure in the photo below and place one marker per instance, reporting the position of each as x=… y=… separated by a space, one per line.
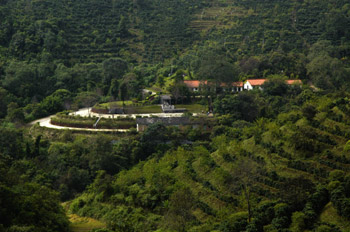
x=254 y=84
x=251 y=84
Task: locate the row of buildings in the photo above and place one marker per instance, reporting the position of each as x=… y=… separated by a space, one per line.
x=250 y=84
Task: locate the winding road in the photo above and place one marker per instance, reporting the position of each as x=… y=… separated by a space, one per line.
x=86 y=112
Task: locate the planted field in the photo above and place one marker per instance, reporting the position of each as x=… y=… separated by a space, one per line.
x=218 y=16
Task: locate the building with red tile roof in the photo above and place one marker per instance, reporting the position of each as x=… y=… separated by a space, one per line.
x=196 y=85
x=257 y=83
x=291 y=82
x=254 y=83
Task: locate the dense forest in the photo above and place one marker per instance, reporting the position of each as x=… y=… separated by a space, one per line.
x=274 y=160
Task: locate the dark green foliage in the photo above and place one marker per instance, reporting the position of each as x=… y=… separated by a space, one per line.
x=62 y=55
x=179 y=212
x=275 y=87
x=236 y=222
x=243 y=106
x=309 y=111
x=25 y=205
x=341 y=200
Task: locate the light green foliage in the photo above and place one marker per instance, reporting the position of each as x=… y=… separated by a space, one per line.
x=253 y=175
x=336 y=175
x=298 y=222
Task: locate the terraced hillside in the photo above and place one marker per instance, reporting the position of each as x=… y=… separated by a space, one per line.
x=219 y=15
x=92 y=31
x=263 y=175
x=153 y=31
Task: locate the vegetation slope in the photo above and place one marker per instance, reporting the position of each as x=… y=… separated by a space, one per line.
x=277 y=160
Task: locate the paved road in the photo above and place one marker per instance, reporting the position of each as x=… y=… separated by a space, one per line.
x=85 y=112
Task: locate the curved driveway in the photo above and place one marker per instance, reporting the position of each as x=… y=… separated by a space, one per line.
x=85 y=112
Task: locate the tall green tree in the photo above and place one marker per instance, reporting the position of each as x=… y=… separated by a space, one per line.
x=123 y=91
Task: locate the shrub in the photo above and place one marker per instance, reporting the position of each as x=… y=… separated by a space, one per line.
x=298 y=222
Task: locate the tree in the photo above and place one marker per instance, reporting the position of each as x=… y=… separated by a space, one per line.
x=244 y=174
x=243 y=106
x=250 y=65
x=275 y=86
x=114 y=89
x=160 y=80
x=123 y=91
x=213 y=65
x=87 y=99
x=179 y=91
x=325 y=71
x=60 y=100
x=134 y=83
x=179 y=212
x=15 y=113
x=5 y=99
x=27 y=206
x=122 y=28
x=295 y=192
x=21 y=80
x=113 y=68
x=309 y=111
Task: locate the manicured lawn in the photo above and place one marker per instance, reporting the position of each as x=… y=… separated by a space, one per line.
x=150 y=109
x=194 y=108
x=118 y=103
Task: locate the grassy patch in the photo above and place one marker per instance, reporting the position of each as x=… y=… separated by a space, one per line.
x=84 y=224
x=157 y=89
x=330 y=215
x=193 y=108
x=118 y=103
x=150 y=109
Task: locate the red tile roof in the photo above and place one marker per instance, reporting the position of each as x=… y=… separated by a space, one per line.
x=194 y=84
x=197 y=83
x=236 y=84
x=253 y=82
x=290 y=82
x=256 y=82
x=259 y=82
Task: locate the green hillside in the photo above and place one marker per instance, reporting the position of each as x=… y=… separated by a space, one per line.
x=95 y=46
x=287 y=169
x=152 y=31
x=271 y=160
